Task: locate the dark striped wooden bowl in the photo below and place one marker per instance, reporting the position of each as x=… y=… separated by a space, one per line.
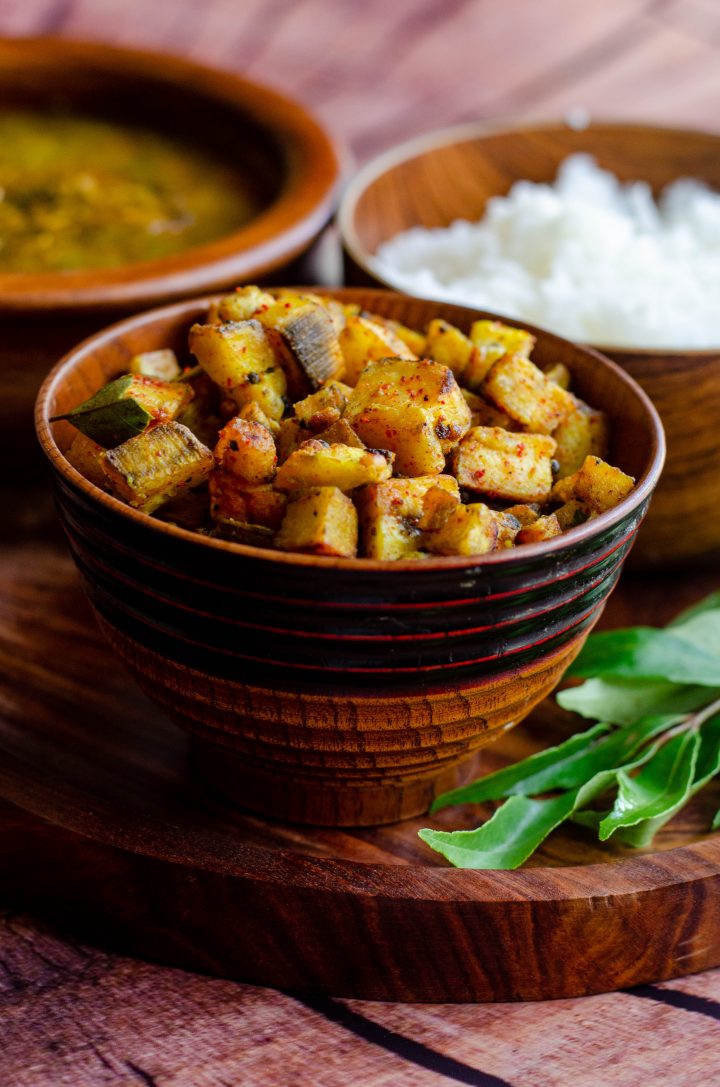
x=340 y=691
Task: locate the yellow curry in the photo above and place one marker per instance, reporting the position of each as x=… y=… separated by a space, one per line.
x=81 y=193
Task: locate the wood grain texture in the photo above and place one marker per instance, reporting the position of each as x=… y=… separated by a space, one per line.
x=120 y=843
x=446 y=177
x=340 y=691
x=73 y=1015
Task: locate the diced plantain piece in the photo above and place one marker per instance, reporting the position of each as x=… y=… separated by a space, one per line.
x=150 y=468
x=526 y=513
x=519 y=388
x=84 y=454
x=247 y=450
x=572 y=514
x=323 y=408
x=321 y=521
x=596 y=484
x=253 y=413
x=309 y=334
x=483 y=413
x=317 y=464
x=412 y=339
x=290 y=436
x=492 y=340
x=469 y=530
x=162 y=364
x=363 y=341
x=239 y=306
x=448 y=345
x=341 y=433
x=239 y=357
x=560 y=374
x=501 y=465
x=394 y=514
x=508 y=528
x=542 y=529
x=582 y=433
x=233 y=500
x=415 y=408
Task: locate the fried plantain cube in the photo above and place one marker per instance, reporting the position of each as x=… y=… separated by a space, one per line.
x=469 y=530
x=317 y=464
x=306 y=345
x=233 y=500
x=596 y=484
x=364 y=340
x=341 y=433
x=525 y=512
x=243 y=304
x=394 y=514
x=323 y=408
x=558 y=373
x=510 y=466
x=483 y=413
x=412 y=339
x=492 y=340
x=85 y=455
x=289 y=437
x=448 y=345
x=161 y=364
x=239 y=357
x=582 y=433
x=519 y=388
x=573 y=513
x=415 y=408
x=150 y=468
x=320 y=521
x=542 y=529
x=246 y=450
x=253 y=413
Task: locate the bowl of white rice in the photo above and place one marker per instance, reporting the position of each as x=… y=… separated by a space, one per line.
x=608 y=234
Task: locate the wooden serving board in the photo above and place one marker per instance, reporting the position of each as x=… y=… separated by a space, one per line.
x=103 y=830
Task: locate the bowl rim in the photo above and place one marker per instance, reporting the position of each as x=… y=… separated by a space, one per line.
x=304 y=204
x=643 y=488
x=473 y=130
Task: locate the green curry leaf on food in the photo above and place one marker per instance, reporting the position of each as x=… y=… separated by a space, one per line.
x=655 y=697
x=111 y=416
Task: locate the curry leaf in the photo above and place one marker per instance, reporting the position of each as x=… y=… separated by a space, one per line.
x=645 y=653
x=658 y=790
x=111 y=416
x=515 y=831
x=623 y=701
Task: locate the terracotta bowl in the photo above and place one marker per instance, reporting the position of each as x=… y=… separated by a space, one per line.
x=451 y=174
x=340 y=691
x=288 y=159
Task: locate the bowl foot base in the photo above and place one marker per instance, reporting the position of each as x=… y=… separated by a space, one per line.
x=323 y=803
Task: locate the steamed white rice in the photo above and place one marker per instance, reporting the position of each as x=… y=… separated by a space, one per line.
x=588 y=257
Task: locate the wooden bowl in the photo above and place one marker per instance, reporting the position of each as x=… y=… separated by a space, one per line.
x=450 y=175
x=340 y=691
x=288 y=158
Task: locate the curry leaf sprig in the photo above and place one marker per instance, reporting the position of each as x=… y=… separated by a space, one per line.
x=655 y=695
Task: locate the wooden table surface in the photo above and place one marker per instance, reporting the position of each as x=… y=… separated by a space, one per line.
x=376 y=73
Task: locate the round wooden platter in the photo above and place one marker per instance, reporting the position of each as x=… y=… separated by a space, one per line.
x=104 y=831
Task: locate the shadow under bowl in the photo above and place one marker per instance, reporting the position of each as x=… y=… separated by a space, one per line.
x=451 y=174
x=340 y=691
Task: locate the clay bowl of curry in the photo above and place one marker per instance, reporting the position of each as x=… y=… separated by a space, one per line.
x=452 y=174
x=130 y=179
x=320 y=687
